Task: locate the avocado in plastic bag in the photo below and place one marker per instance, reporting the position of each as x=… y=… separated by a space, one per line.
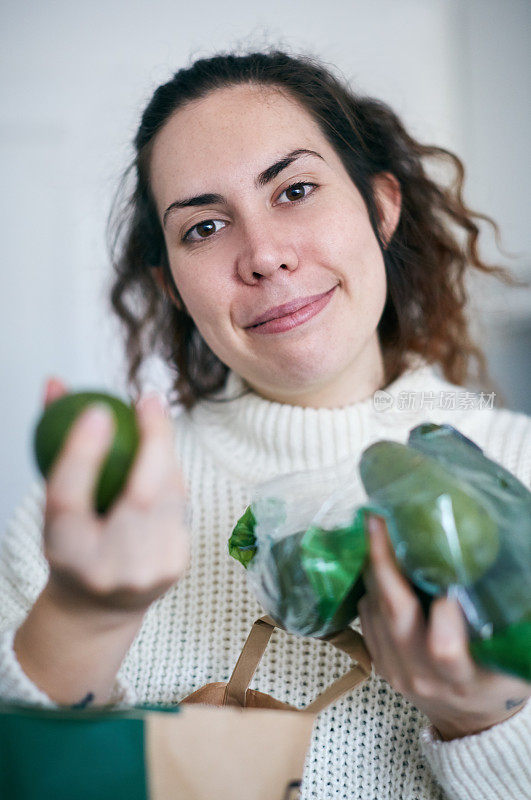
x=459 y=523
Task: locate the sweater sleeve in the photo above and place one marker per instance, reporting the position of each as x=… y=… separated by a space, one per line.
x=497 y=762
x=489 y=765
x=23 y=575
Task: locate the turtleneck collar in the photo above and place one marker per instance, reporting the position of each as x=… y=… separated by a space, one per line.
x=256 y=439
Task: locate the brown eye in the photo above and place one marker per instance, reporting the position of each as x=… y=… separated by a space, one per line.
x=297 y=191
x=203 y=229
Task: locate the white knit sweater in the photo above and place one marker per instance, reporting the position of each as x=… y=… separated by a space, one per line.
x=372 y=744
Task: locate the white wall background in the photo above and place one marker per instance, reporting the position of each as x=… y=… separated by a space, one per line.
x=74 y=79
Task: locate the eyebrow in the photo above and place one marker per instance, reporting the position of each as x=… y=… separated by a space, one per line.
x=261 y=180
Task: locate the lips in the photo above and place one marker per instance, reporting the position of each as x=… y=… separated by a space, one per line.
x=287 y=308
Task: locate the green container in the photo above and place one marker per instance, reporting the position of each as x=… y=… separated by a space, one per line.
x=62 y=754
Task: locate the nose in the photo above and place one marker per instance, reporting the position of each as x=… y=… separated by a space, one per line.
x=265 y=248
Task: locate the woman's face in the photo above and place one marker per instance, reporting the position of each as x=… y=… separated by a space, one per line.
x=248 y=242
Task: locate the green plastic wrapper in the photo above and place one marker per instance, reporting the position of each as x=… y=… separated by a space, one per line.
x=459 y=523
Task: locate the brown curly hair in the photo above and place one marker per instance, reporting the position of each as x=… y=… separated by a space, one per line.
x=425 y=264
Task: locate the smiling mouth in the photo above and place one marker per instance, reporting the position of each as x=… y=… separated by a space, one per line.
x=295 y=318
x=291 y=308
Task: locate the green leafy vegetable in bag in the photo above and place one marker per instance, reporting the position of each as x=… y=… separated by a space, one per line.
x=312 y=579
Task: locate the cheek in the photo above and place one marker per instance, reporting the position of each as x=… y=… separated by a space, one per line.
x=198 y=295
x=351 y=246
x=363 y=272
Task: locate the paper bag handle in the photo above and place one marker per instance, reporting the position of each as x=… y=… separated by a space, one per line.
x=347 y=640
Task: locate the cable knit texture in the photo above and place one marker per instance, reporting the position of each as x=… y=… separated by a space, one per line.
x=372 y=744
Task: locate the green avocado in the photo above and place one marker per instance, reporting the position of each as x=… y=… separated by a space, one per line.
x=441 y=531
x=453 y=450
x=52 y=431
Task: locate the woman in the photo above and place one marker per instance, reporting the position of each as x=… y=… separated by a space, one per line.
x=264 y=186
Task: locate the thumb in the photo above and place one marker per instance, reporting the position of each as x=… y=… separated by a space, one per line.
x=72 y=481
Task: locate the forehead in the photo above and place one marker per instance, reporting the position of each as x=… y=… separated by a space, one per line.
x=239 y=126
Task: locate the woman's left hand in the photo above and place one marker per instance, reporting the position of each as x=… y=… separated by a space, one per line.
x=429 y=662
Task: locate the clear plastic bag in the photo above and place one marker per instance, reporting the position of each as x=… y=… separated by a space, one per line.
x=459 y=523
x=472 y=539
x=303 y=543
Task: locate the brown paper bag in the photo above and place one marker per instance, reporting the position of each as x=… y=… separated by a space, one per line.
x=251 y=746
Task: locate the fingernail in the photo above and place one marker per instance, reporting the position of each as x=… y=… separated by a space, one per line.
x=50 y=384
x=97 y=419
x=377 y=535
x=153 y=401
x=374 y=525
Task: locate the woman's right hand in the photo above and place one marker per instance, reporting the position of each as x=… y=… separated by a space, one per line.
x=123 y=561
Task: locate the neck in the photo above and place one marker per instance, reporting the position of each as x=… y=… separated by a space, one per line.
x=357 y=381
x=257 y=439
